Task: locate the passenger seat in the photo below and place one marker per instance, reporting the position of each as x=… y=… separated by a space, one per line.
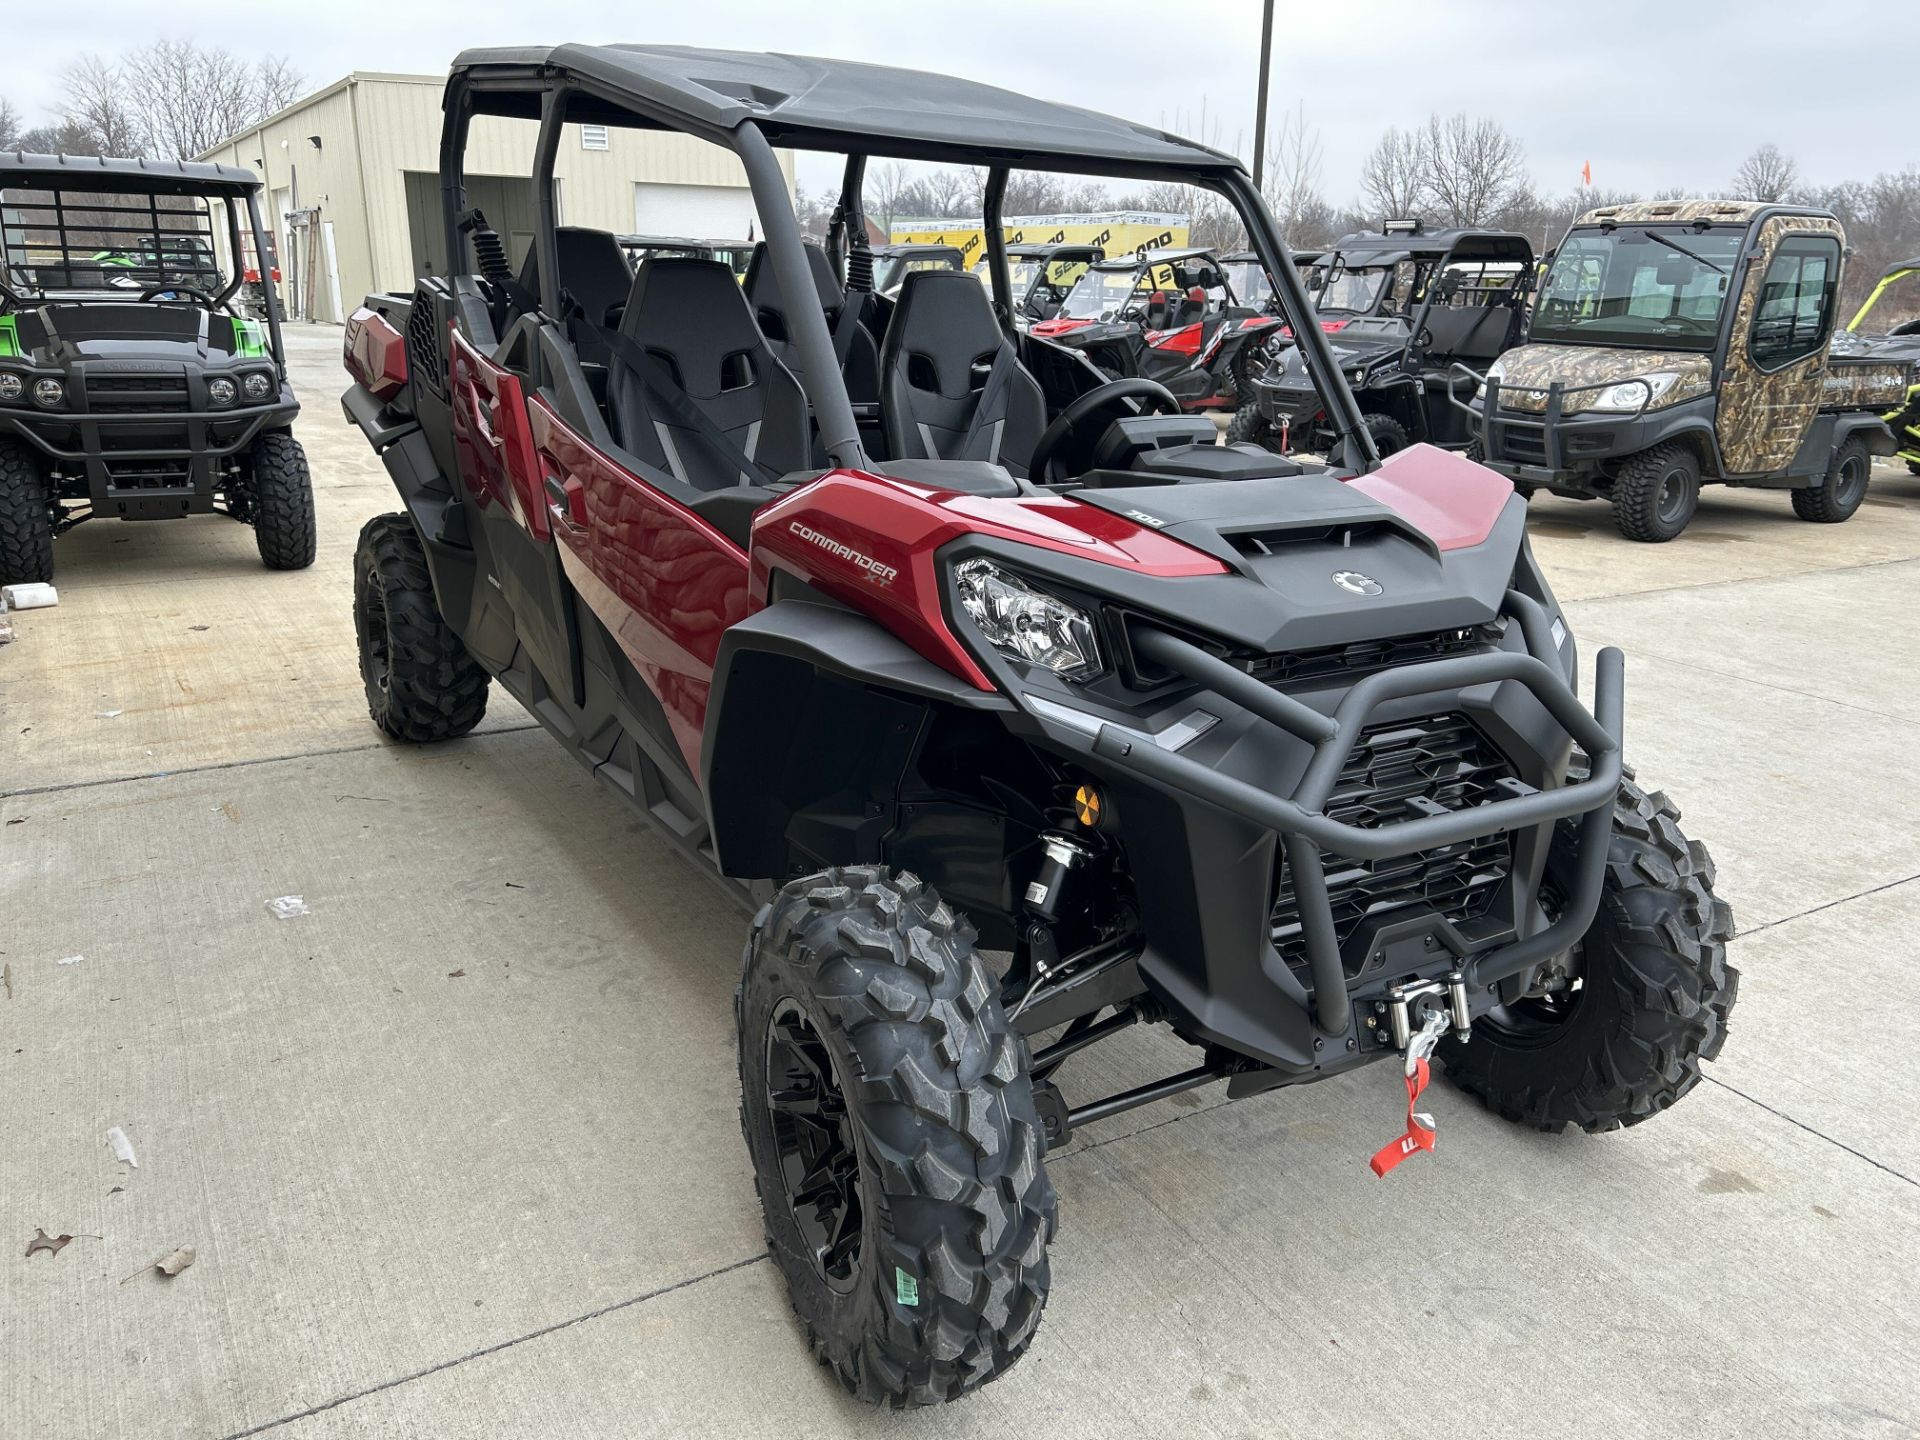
x=951 y=384
x=594 y=274
x=696 y=391
x=860 y=365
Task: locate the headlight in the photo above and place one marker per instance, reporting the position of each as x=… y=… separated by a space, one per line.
x=258 y=385
x=1630 y=395
x=12 y=387
x=221 y=390
x=49 y=393
x=1027 y=624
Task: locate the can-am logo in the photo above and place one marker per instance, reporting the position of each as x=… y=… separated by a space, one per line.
x=1355 y=583
x=883 y=573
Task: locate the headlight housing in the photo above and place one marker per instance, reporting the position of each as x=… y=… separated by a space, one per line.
x=1027 y=624
x=12 y=387
x=221 y=391
x=1631 y=395
x=49 y=393
x=258 y=385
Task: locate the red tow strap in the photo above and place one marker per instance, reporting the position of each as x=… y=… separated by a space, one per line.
x=1419 y=1135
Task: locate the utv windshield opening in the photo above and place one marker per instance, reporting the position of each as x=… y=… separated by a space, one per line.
x=1661 y=287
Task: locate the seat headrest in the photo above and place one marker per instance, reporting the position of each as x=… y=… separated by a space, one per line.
x=945 y=317
x=692 y=314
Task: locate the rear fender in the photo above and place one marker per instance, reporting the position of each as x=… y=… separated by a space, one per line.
x=812 y=722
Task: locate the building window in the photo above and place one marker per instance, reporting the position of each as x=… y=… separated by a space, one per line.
x=593 y=137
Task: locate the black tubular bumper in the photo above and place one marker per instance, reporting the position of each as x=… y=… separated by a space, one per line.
x=1309 y=834
x=1549 y=448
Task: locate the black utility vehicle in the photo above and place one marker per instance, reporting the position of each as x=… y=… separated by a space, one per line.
x=1043 y=276
x=132 y=385
x=1026 y=716
x=1462 y=305
x=893 y=263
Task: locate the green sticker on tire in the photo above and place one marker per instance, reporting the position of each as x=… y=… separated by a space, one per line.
x=905 y=1287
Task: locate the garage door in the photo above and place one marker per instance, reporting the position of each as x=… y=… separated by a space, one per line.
x=704 y=212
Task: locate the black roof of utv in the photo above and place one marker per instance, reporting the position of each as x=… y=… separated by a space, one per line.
x=23 y=170
x=1370 y=247
x=840 y=105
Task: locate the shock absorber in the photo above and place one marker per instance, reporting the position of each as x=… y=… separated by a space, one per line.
x=1061 y=855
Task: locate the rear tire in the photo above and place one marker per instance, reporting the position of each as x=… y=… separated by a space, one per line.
x=26 y=518
x=916 y=1256
x=421 y=683
x=1656 y=493
x=1654 y=990
x=1249 y=426
x=280 y=500
x=1844 y=490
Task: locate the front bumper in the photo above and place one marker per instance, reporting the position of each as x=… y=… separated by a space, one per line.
x=1283 y=405
x=1561 y=445
x=1232 y=988
x=146 y=464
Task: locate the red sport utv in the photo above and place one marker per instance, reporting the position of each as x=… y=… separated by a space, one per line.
x=1023 y=710
x=1165 y=315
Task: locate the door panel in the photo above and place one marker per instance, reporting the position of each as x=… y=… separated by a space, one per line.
x=1764 y=413
x=493 y=445
x=665 y=583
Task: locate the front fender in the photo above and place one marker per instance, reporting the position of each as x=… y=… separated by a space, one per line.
x=810 y=724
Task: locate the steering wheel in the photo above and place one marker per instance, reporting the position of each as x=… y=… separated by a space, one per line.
x=156 y=291
x=1097 y=403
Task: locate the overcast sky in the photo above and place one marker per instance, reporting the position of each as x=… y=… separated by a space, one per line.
x=1655 y=93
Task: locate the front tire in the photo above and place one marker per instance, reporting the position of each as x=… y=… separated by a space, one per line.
x=421 y=683
x=1390 y=437
x=1656 y=493
x=1624 y=1037
x=26 y=517
x=1249 y=426
x=1844 y=490
x=280 y=502
x=888 y=1109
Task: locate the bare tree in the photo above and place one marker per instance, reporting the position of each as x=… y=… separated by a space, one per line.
x=1766 y=174
x=95 y=106
x=882 y=191
x=1393 y=181
x=1293 y=176
x=62 y=139
x=1474 y=168
x=174 y=98
x=12 y=125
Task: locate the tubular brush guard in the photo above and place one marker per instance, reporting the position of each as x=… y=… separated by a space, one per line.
x=1308 y=833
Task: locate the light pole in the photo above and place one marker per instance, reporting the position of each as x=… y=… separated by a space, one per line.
x=1260 y=107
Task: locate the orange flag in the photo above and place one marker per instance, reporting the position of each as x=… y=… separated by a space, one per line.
x=1586 y=174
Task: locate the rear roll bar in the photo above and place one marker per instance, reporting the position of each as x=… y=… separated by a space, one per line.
x=1308 y=832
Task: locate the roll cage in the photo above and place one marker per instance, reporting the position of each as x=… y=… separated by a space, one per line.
x=748 y=104
x=66 y=220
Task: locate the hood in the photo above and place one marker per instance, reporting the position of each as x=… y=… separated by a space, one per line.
x=1431 y=538
x=1526 y=373
x=1059 y=325
x=61 y=333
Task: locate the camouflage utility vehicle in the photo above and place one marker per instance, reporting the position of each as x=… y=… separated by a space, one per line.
x=132 y=385
x=1678 y=343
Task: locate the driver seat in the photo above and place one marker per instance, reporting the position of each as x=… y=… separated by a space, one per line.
x=951 y=383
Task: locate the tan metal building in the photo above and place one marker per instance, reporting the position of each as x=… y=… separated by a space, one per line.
x=352 y=180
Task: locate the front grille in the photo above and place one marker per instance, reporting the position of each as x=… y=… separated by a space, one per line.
x=1525 y=447
x=151 y=475
x=1396 y=772
x=137 y=394
x=1359 y=656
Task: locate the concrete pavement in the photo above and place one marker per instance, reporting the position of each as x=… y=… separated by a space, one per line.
x=458 y=1149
